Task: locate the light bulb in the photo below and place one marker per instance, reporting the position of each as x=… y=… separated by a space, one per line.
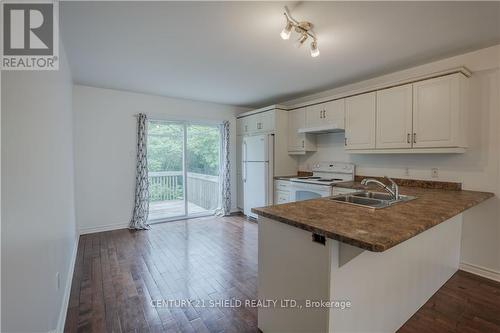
x=285 y=33
x=314 y=49
x=301 y=40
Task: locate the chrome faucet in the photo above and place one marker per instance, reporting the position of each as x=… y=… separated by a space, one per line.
x=394 y=190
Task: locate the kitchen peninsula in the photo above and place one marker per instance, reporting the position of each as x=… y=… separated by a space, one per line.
x=385 y=263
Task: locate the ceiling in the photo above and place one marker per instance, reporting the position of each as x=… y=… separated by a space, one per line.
x=232 y=53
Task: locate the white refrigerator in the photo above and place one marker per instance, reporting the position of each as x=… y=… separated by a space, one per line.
x=258 y=171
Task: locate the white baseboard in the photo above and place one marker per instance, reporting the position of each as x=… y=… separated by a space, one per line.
x=67 y=290
x=107 y=227
x=481 y=271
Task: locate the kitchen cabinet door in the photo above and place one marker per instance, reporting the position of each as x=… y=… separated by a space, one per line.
x=244 y=126
x=265 y=122
x=296 y=120
x=254 y=123
x=299 y=143
x=394 y=117
x=239 y=126
x=314 y=115
x=360 y=113
x=324 y=114
x=436 y=112
x=334 y=113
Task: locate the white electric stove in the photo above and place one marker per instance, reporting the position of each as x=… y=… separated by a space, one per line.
x=322 y=182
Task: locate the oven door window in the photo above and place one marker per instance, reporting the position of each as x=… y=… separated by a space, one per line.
x=306 y=195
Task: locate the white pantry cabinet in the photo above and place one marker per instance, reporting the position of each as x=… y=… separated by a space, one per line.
x=330 y=113
x=360 y=114
x=299 y=143
x=394 y=117
x=439 y=106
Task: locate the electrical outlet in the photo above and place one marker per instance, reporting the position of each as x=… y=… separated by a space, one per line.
x=434 y=173
x=58 y=281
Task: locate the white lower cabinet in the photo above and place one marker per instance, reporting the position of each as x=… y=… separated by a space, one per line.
x=360 y=113
x=282 y=192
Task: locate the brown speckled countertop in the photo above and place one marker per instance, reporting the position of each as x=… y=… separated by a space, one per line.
x=375 y=229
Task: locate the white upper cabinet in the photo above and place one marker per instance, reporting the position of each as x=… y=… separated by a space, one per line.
x=335 y=113
x=438 y=112
x=257 y=123
x=296 y=120
x=330 y=113
x=242 y=126
x=314 y=115
x=265 y=121
x=360 y=113
x=299 y=143
x=394 y=117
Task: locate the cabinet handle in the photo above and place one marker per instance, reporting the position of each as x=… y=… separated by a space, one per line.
x=414 y=137
x=302 y=143
x=320 y=114
x=408 y=138
x=324 y=114
x=345 y=141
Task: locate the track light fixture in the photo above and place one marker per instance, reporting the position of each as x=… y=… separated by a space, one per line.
x=304 y=29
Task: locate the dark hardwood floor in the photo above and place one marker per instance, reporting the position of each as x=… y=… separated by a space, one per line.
x=118 y=273
x=466 y=303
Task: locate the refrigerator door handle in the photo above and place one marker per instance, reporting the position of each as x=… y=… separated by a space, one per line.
x=266 y=168
x=244 y=162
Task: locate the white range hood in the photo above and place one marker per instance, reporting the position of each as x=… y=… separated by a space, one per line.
x=329 y=128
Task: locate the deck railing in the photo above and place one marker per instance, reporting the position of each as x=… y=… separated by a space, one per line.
x=203 y=190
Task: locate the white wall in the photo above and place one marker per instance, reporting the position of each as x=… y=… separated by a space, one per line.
x=105 y=148
x=478 y=169
x=38 y=221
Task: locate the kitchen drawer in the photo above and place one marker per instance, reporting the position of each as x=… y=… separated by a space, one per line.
x=282 y=185
x=282 y=197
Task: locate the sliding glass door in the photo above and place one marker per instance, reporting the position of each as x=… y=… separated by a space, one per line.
x=202 y=164
x=166 y=170
x=183 y=165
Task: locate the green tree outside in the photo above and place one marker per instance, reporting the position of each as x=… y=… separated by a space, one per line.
x=165 y=153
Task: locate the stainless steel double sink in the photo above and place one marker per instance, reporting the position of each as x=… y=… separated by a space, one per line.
x=371 y=199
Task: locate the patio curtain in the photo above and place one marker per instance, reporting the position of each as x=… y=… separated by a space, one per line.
x=141 y=208
x=225 y=207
